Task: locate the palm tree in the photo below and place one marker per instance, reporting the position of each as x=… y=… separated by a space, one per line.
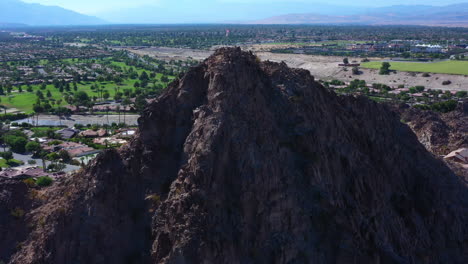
x=43 y=164
x=107 y=113
x=118 y=111
x=2 y=142
x=2 y=106
x=125 y=103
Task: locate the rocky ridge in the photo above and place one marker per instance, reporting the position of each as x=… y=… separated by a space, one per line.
x=440 y=133
x=242 y=161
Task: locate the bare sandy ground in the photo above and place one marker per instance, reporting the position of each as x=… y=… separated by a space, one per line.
x=322 y=67
x=164 y=53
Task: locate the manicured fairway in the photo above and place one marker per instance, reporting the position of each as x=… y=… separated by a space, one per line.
x=448 y=67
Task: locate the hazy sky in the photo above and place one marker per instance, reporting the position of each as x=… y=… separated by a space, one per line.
x=100 y=6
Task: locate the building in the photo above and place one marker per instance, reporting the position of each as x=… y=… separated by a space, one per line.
x=82 y=151
x=67 y=133
x=92 y=134
x=426 y=48
x=24 y=173
x=73 y=149
x=126 y=134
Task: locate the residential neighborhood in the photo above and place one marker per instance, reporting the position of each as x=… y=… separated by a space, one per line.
x=33 y=152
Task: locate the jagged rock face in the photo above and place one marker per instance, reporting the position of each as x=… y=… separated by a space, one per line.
x=248 y=162
x=439 y=133
x=15 y=202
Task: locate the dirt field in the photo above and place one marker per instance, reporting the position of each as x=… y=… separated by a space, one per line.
x=163 y=53
x=323 y=67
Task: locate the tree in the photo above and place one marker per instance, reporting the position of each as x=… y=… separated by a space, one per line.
x=7 y=155
x=106 y=95
x=420 y=88
x=118 y=96
x=37 y=108
x=355 y=70
x=2 y=141
x=107 y=114
x=2 y=106
x=140 y=103
x=144 y=76
x=17 y=144
x=461 y=94
x=64 y=155
x=126 y=102
x=118 y=112
x=40 y=95
x=133 y=75
x=80 y=98
x=33 y=146
x=346 y=61
x=44 y=181
x=385 y=69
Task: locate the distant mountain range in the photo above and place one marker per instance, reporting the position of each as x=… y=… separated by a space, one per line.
x=215 y=11
x=14 y=13
x=292 y=12
x=451 y=15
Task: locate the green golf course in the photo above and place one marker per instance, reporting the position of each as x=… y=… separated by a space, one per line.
x=448 y=67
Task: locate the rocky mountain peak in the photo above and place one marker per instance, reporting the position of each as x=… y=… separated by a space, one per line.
x=242 y=161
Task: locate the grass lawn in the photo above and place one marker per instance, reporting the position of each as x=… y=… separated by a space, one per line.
x=42 y=131
x=3 y=163
x=319 y=43
x=448 y=67
x=341 y=42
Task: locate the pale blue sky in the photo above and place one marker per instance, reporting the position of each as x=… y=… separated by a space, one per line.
x=105 y=6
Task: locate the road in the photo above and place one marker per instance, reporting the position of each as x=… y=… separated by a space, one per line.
x=70 y=121
x=26 y=158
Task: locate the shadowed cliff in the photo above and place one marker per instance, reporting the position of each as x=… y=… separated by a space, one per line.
x=242 y=161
